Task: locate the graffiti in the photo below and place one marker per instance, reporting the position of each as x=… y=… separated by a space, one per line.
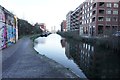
x=8 y=28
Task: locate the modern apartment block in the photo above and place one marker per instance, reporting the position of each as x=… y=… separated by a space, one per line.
x=63 y=26
x=75 y=19
x=94 y=18
x=68 y=20
x=72 y=21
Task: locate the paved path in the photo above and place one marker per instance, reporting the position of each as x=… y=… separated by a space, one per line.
x=22 y=61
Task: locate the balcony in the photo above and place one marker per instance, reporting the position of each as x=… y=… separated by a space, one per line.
x=94 y=5
x=100 y=18
x=94 y=12
x=101 y=4
x=93 y=19
x=101 y=11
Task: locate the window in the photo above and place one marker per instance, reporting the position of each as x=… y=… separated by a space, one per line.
x=93 y=19
x=90 y=20
x=101 y=4
x=108 y=12
x=91 y=8
x=94 y=5
x=88 y=3
x=108 y=19
x=100 y=29
x=115 y=19
x=108 y=27
x=88 y=9
x=115 y=5
x=85 y=11
x=82 y=22
x=87 y=21
x=91 y=1
x=94 y=12
x=91 y=14
x=114 y=27
x=80 y=13
x=109 y=5
x=115 y=11
x=101 y=11
x=83 y=17
x=87 y=15
x=85 y=5
x=100 y=18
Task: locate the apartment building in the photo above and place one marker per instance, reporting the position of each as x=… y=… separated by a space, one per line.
x=63 y=26
x=99 y=17
x=94 y=18
x=68 y=20
x=75 y=19
x=72 y=21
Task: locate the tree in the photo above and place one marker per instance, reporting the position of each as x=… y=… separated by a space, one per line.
x=25 y=28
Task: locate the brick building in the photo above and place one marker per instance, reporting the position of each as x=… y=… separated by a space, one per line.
x=96 y=18
x=63 y=26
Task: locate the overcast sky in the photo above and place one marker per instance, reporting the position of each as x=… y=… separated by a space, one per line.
x=50 y=12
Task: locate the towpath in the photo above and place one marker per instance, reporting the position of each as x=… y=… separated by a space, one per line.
x=22 y=61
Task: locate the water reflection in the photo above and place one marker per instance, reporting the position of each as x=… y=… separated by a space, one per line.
x=54 y=48
x=63 y=42
x=93 y=60
x=80 y=57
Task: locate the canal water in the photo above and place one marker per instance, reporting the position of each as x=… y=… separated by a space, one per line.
x=83 y=59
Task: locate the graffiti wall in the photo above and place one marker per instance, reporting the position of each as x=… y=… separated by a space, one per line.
x=8 y=28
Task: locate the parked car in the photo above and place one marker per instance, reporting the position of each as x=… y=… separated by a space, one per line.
x=117 y=34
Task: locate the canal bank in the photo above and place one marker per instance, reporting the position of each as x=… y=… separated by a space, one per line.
x=22 y=61
x=54 y=47
x=90 y=59
x=110 y=42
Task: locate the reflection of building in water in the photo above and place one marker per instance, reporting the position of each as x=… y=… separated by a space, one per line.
x=71 y=50
x=67 y=50
x=94 y=61
x=63 y=42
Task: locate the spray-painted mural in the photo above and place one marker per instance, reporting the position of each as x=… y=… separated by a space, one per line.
x=8 y=28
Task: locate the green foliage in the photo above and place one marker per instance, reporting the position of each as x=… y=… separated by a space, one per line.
x=25 y=28
x=110 y=42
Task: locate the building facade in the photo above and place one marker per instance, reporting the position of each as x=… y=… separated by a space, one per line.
x=63 y=26
x=8 y=28
x=75 y=19
x=95 y=18
x=42 y=26
x=68 y=20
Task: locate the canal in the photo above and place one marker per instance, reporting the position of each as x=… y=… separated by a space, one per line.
x=83 y=59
